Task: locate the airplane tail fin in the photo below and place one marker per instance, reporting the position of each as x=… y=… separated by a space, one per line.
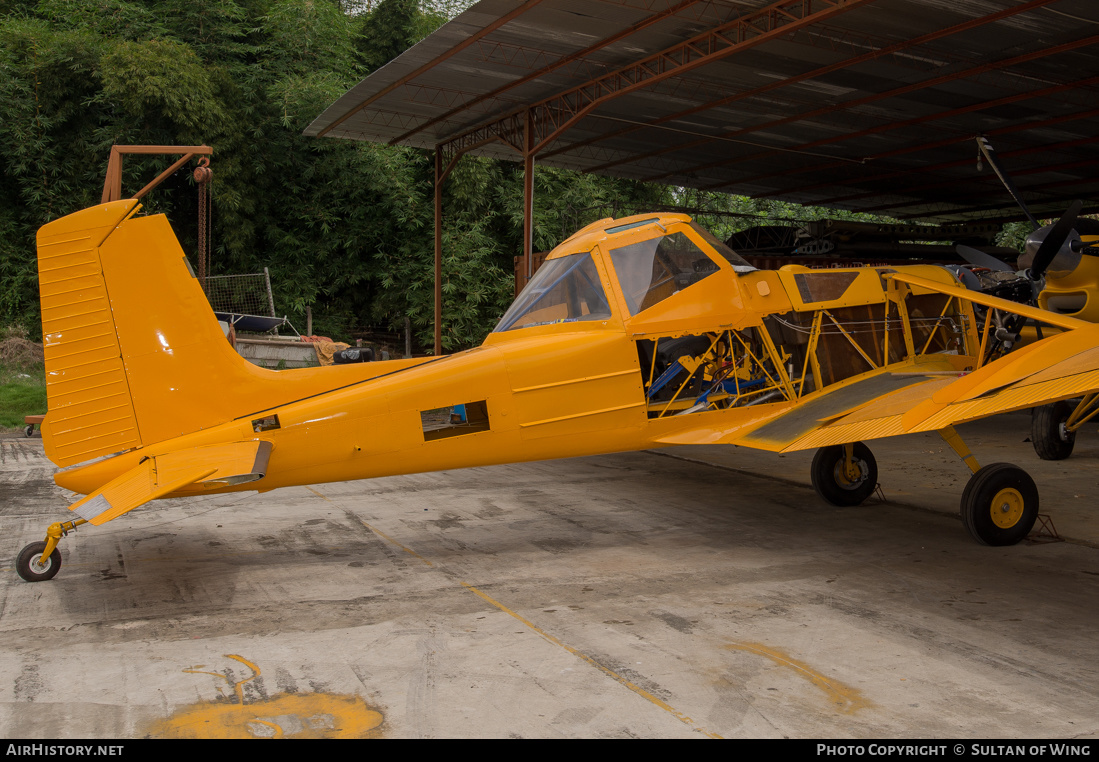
x=134 y=354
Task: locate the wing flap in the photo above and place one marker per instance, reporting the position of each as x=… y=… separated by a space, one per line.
x=870 y=405
x=1059 y=367
x=872 y=397
x=1015 y=397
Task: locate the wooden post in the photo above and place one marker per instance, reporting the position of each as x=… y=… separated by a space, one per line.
x=270 y=294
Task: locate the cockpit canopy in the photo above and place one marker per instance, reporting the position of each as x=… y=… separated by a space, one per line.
x=648 y=269
x=564 y=290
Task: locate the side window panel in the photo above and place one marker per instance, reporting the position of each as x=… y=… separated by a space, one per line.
x=650 y=271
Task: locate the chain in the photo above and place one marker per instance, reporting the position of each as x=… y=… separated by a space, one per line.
x=203 y=174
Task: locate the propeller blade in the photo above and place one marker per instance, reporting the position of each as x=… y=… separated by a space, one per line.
x=978 y=258
x=1054 y=240
x=990 y=154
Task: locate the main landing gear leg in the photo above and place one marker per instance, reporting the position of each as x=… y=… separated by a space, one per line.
x=1000 y=501
x=40 y=561
x=845 y=474
x=1053 y=427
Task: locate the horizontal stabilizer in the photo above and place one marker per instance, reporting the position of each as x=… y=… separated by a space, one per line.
x=159 y=476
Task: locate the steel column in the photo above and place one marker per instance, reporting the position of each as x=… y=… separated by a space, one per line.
x=439 y=177
x=528 y=197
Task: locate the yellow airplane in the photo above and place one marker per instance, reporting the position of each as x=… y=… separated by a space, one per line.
x=1061 y=277
x=636 y=333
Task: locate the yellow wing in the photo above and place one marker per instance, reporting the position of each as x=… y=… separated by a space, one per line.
x=925 y=396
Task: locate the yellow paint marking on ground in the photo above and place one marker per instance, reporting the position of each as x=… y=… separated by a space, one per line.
x=605 y=670
x=296 y=715
x=299 y=715
x=847 y=700
x=550 y=638
x=237 y=689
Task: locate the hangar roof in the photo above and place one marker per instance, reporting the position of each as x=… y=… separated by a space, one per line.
x=868 y=105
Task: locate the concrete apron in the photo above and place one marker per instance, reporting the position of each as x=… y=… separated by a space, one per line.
x=617 y=596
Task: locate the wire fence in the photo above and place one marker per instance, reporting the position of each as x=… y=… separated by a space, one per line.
x=248 y=294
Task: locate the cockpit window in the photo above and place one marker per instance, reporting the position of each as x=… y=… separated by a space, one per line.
x=652 y=270
x=564 y=290
x=738 y=262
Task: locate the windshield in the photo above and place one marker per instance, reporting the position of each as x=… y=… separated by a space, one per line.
x=652 y=270
x=564 y=290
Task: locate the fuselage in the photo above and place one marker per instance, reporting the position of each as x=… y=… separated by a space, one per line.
x=632 y=331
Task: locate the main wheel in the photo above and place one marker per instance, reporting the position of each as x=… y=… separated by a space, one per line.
x=33 y=568
x=832 y=484
x=1000 y=504
x=1048 y=432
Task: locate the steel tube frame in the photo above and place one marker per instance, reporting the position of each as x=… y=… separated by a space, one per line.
x=112 y=183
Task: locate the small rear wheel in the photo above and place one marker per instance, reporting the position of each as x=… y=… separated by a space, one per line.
x=1049 y=430
x=32 y=567
x=838 y=487
x=1000 y=505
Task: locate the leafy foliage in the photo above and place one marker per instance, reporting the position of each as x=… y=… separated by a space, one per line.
x=345 y=228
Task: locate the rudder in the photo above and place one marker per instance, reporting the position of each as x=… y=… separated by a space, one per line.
x=90 y=410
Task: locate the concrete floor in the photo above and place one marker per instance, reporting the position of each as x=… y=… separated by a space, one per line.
x=673 y=594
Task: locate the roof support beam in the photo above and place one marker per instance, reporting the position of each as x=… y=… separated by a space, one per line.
x=481 y=33
x=822 y=169
x=847 y=105
x=952 y=182
x=1031 y=190
x=907 y=122
x=554 y=115
x=819 y=72
x=953 y=208
x=563 y=61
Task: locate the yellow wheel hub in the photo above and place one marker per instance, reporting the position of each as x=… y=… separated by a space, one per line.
x=1007 y=508
x=848 y=479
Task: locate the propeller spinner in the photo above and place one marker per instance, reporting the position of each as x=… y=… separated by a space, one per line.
x=1056 y=248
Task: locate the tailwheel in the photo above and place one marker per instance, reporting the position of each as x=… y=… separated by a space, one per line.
x=1049 y=432
x=845 y=474
x=41 y=561
x=1000 y=504
x=31 y=565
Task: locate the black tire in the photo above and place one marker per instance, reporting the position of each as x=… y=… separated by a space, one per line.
x=29 y=431
x=999 y=505
x=828 y=479
x=1051 y=440
x=27 y=567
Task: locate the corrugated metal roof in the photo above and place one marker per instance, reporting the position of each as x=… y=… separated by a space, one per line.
x=871 y=105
